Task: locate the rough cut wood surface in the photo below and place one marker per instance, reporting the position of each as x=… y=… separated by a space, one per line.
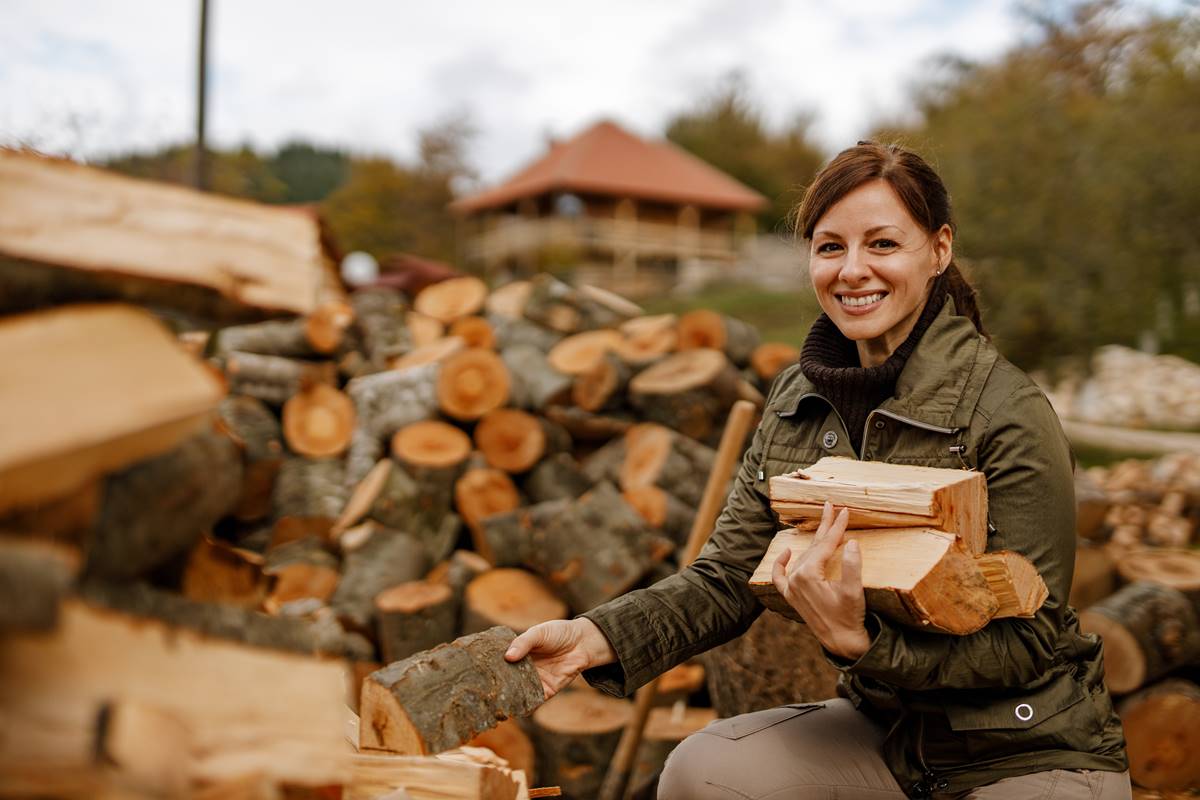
x=918 y=577
x=706 y=328
x=449 y=300
x=441 y=698
x=689 y=391
x=1162 y=734
x=318 y=421
x=170 y=245
x=887 y=495
x=770 y=358
x=657 y=456
x=510 y=597
x=575 y=735
x=1014 y=581
x=381 y=776
x=472 y=383
x=386 y=558
x=53 y=443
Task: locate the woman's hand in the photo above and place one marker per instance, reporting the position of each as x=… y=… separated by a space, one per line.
x=834 y=609
x=561 y=649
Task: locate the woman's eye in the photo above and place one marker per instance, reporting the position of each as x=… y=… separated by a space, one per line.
x=828 y=247
x=884 y=244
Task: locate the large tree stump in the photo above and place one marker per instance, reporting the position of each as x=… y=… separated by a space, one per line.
x=657 y=456
x=379 y=317
x=441 y=698
x=703 y=328
x=414 y=616
x=309 y=495
x=513 y=598
x=554 y=478
x=575 y=735
x=1162 y=735
x=663 y=511
x=386 y=558
x=479 y=494
x=255 y=428
x=691 y=391
x=602 y=387
x=274 y=379
x=156 y=510
x=472 y=383
x=449 y=300
x=515 y=440
x=774 y=663
x=535 y=383
x=319 y=421
x=1148 y=631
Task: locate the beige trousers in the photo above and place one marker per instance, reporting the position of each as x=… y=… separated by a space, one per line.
x=829 y=751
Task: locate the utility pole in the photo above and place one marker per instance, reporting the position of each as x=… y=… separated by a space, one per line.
x=200 y=178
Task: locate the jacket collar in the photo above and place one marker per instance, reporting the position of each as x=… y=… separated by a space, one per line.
x=940 y=383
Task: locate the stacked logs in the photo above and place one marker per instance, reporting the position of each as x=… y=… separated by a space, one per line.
x=1128 y=388
x=1137 y=585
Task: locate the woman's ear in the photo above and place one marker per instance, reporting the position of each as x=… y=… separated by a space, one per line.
x=943 y=247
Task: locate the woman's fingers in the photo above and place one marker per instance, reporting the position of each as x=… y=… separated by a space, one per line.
x=829 y=536
x=852 y=568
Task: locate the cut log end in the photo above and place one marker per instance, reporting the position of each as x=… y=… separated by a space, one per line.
x=770 y=358
x=431 y=443
x=1162 y=732
x=472 y=383
x=510 y=439
x=412 y=597
x=576 y=355
x=325 y=326
x=475 y=332
x=451 y=299
x=434 y=351
x=319 y=421
x=511 y=597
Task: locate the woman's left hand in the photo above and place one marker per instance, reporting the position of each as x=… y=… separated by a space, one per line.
x=834 y=609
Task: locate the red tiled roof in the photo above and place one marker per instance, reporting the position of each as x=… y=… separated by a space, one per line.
x=608 y=160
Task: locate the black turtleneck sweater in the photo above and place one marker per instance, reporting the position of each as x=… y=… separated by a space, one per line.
x=830 y=361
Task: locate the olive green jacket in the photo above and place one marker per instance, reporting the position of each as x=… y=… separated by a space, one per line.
x=1019 y=696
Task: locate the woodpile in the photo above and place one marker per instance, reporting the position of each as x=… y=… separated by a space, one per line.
x=1131 y=389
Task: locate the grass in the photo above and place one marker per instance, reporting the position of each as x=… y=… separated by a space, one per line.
x=780 y=316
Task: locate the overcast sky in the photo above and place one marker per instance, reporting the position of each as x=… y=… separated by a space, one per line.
x=90 y=78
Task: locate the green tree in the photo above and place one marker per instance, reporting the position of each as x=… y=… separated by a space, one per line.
x=310 y=173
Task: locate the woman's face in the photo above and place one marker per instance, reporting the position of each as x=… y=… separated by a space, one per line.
x=871 y=264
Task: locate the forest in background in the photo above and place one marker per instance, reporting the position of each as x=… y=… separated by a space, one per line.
x=1073 y=160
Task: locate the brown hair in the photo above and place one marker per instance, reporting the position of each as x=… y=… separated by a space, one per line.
x=915 y=183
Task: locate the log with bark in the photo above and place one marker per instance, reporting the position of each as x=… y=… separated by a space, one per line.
x=384 y=558
x=663 y=511
x=472 y=383
x=255 y=429
x=414 y=616
x=567 y=309
x=318 y=334
x=308 y=497
x=657 y=456
x=510 y=597
x=1175 y=567
x=578 y=354
x=441 y=698
x=319 y=421
x=1162 y=734
x=273 y=379
x=645 y=340
x=602 y=387
x=1095 y=575
x=379 y=320
x=453 y=299
x=1148 y=631
x=457 y=572
x=919 y=577
x=508 y=301
x=691 y=391
x=479 y=494
x=535 y=383
x=881 y=495
x=704 y=328
x=54 y=444
x=35 y=576
x=554 y=478
x=434 y=351
x=583 y=426
x=435 y=455
x=384 y=403
x=575 y=734
x=219 y=572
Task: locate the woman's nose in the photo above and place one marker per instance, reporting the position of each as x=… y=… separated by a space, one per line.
x=854 y=265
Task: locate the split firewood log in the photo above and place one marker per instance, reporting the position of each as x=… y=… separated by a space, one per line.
x=479 y=494
x=441 y=698
x=475 y=332
x=663 y=511
x=704 y=328
x=1014 y=581
x=881 y=495
x=577 y=354
x=379 y=319
x=511 y=743
x=383 y=559
x=414 y=616
x=52 y=359
x=646 y=340
x=575 y=734
x=515 y=440
x=319 y=333
x=158 y=509
x=449 y=300
x=556 y=477
x=380 y=776
x=665 y=729
x=535 y=383
x=309 y=495
x=1148 y=631
x=919 y=577
x=35 y=576
x=1095 y=576
x=219 y=572
x=510 y=597
x=603 y=386
x=274 y=379
x=658 y=456
x=472 y=383
x=423 y=330
x=508 y=300
x=690 y=391
x=1162 y=733
x=770 y=358
x=256 y=430
x=318 y=421
x=301 y=588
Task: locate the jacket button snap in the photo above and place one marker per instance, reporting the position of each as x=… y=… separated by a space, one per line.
x=1024 y=712
x=879 y=424
x=829 y=440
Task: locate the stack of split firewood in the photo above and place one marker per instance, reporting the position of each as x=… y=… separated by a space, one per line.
x=1137 y=584
x=1128 y=388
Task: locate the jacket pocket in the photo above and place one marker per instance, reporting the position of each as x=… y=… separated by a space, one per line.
x=744 y=725
x=1052 y=717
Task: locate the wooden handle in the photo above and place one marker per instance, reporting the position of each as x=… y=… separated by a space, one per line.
x=711 y=502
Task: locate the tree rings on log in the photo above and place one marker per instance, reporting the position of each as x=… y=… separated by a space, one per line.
x=647 y=339
x=319 y=421
x=431 y=444
x=475 y=332
x=438 y=699
x=770 y=358
x=472 y=383
x=1148 y=630
x=479 y=494
x=575 y=734
x=689 y=391
x=657 y=456
x=577 y=354
x=1162 y=734
x=274 y=379
x=326 y=325
x=451 y=299
x=511 y=597
x=414 y=616
x=1095 y=575
x=704 y=328
x=1177 y=568
x=511 y=439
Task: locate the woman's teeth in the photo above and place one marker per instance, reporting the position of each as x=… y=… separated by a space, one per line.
x=861 y=301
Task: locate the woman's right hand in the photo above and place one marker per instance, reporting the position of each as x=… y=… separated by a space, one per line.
x=561 y=649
